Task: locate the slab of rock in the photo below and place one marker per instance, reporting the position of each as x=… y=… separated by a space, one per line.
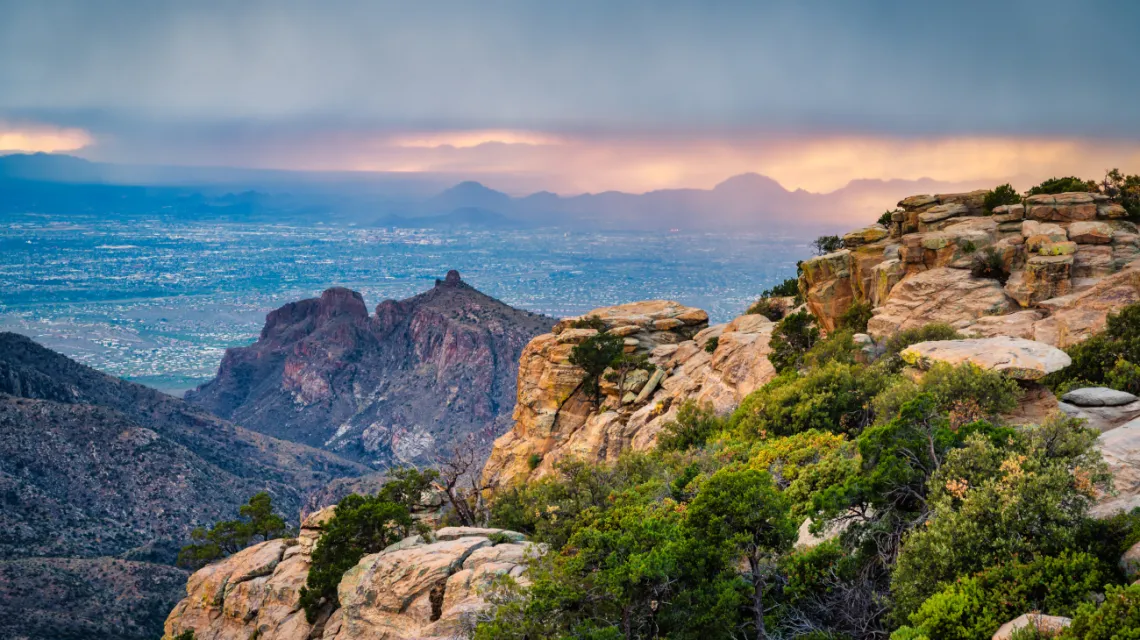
x=1046 y=625
x=1015 y=357
x=1098 y=397
x=1009 y=213
x=1102 y=418
x=942 y=211
x=866 y=235
x=1090 y=232
x=1020 y=324
x=950 y=296
x=1044 y=277
x=1120 y=448
x=1073 y=318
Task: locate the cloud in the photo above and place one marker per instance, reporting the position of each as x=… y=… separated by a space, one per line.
x=41 y=138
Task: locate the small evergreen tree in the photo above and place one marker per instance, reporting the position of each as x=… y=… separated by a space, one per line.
x=594 y=355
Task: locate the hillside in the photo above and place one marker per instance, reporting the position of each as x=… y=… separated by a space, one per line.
x=102 y=481
x=399 y=386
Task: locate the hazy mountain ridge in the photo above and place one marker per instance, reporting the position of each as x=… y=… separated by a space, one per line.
x=746 y=201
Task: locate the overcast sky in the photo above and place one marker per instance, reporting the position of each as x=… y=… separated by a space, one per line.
x=593 y=94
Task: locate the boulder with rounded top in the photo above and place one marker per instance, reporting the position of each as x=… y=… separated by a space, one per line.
x=1015 y=357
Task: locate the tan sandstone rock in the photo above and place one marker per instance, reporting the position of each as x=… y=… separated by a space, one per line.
x=945 y=295
x=1015 y=357
x=554 y=420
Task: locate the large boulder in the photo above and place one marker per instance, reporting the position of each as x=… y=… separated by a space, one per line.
x=1015 y=357
x=950 y=296
x=1098 y=397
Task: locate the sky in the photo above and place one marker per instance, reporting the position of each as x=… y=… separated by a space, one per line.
x=583 y=96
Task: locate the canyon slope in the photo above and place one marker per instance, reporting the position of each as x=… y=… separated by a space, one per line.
x=102 y=481
x=399 y=386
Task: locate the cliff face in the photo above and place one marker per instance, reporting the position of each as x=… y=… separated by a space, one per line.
x=415 y=589
x=1069 y=259
x=102 y=479
x=554 y=418
x=398 y=386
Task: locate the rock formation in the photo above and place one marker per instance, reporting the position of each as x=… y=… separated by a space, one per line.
x=415 y=589
x=1068 y=260
x=395 y=387
x=555 y=420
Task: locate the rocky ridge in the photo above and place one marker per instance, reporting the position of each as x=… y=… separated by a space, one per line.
x=554 y=419
x=416 y=589
x=1070 y=260
x=103 y=480
x=395 y=387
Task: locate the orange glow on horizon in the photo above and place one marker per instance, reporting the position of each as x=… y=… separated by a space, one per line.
x=36 y=139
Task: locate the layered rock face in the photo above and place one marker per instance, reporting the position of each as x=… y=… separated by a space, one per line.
x=1069 y=259
x=398 y=386
x=415 y=589
x=555 y=420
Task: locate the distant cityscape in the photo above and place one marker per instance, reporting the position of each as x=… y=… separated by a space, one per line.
x=158 y=302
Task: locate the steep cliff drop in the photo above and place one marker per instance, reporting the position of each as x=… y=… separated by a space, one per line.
x=554 y=418
x=396 y=387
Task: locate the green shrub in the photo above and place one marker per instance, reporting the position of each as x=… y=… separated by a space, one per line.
x=499 y=537
x=789 y=288
x=793 y=336
x=1062 y=185
x=185 y=635
x=975 y=606
x=885 y=219
x=998 y=196
x=361 y=525
x=712 y=343
x=257 y=522
x=692 y=427
x=834 y=397
x=589 y=322
x=827 y=244
x=595 y=354
x=771 y=308
x=990 y=502
x=989 y=264
x=1117 y=618
x=965 y=389
x=1124 y=376
x=838 y=346
x=533 y=460
x=856 y=317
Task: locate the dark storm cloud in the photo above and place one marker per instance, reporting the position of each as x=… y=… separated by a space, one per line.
x=121 y=69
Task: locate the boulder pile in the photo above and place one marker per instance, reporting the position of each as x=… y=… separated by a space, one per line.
x=418 y=588
x=1058 y=265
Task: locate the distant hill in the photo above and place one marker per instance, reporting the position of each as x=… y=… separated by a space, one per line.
x=399 y=386
x=745 y=202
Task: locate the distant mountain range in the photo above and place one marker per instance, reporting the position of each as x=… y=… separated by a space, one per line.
x=45 y=183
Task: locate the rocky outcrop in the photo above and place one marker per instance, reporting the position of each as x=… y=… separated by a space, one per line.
x=1015 y=357
x=396 y=387
x=414 y=589
x=555 y=420
x=1068 y=261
